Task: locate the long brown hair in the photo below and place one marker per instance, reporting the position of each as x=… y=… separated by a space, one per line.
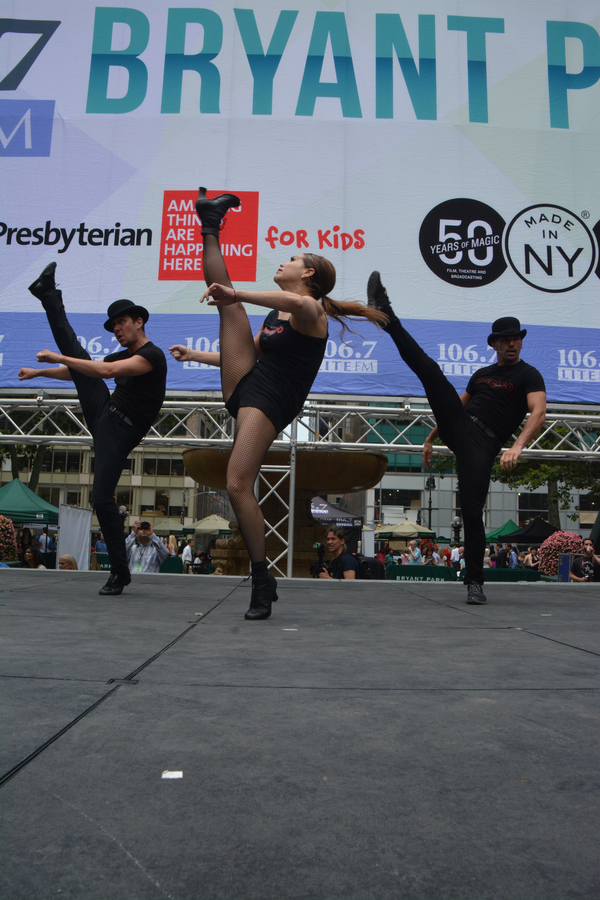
x=323 y=281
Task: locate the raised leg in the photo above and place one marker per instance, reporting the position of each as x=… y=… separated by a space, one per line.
x=445 y=403
x=92 y=392
x=238 y=353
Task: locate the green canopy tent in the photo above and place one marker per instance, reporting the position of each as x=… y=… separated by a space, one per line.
x=20 y=504
x=508 y=528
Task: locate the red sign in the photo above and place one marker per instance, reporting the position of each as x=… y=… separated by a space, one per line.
x=181 y=240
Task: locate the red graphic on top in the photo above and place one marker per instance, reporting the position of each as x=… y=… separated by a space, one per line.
x=181 y=240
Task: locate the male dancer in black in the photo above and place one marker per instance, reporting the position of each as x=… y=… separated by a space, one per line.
x=118 y=422
x=477 y=424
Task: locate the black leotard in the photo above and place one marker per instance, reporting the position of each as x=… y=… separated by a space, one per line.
x=280 y=381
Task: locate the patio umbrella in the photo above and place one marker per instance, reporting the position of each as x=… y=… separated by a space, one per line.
x=211 y=525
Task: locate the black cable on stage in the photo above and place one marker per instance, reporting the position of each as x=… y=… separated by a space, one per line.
x=128 y=678
x=183 y=634
x=15 y=769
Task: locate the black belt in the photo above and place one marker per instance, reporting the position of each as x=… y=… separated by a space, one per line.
x=483 y=427
x=121 y=415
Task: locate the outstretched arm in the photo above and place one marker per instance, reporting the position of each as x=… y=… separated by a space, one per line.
x=186 y=354
x=303 y=308
x=135 y=365
x=60 y=372
x=536 y=403
x=183 y=353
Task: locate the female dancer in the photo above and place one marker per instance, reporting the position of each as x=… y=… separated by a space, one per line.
x=266 y=379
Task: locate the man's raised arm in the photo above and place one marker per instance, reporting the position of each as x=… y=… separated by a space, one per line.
x=60 y=372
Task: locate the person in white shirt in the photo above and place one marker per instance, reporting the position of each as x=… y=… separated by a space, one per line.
x=145 y=550
x=187 y=556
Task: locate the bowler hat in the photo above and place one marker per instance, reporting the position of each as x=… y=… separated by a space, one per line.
x=125 y=308
x=508 y=326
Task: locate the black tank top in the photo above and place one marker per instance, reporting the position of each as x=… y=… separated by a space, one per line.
x=290 y=356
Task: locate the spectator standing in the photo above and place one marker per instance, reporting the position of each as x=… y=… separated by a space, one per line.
x=414 y=554
x=45 y=542
x=25 y=543
x=511 y=554
x=486 y=559
x=455 y=558
x=390 y=560
x=429 y=558
x=187 y=556
x=145 y=550
x=501 y=557
x=100 y=546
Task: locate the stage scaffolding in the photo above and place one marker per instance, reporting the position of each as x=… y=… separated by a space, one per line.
x=343 y=423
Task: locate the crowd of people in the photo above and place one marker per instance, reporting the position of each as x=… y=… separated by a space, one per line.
x=427 y=553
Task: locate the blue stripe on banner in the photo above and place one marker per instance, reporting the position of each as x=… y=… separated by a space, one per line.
x=365 y=362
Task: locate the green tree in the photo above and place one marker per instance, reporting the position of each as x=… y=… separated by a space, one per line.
x=560 y=478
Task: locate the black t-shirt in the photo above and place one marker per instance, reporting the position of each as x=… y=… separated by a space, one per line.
x=343 y=562
x=140 y=397
x=499 y=395
x=587 y=568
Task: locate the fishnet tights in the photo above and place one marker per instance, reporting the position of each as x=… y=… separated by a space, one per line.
x=254 y=434
x=238 y=353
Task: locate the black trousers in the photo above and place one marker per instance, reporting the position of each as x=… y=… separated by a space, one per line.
x=113 y=438
x=475 y=451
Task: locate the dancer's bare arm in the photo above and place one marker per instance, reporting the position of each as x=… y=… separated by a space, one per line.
x=183 y=353
x=428 y=442
x=536 y=404
x=60 y=372
x=302 y=308
x=120 y=368
x=186 y=354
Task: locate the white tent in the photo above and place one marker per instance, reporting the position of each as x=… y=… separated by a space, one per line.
x=211 y=525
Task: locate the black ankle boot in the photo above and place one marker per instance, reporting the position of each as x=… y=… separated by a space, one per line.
x=377 y=298
x=264 y=593
x=44 y=283
x=211 y=212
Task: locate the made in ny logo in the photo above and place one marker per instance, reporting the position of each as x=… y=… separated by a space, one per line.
x=25 y=125
x=467 y=243
x=181 y=243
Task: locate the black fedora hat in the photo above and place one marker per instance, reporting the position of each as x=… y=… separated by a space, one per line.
x=506 y=327
x=125 y=308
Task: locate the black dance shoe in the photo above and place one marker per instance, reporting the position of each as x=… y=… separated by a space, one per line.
x=475 y=595
x=211 y=212
x=264 y=593
x=377 y=297
x=44 y=283
x=115 y=584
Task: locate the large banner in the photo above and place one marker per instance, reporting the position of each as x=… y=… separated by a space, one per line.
x=456 y=151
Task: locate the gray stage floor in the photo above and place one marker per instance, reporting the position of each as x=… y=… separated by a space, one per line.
x=370 y=740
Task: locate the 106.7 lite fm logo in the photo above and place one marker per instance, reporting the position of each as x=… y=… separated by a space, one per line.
x=467 y=243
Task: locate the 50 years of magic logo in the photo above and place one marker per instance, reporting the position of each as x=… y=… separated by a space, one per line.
x=467 y=243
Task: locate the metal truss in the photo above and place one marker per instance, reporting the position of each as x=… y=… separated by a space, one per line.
x=380 y=424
